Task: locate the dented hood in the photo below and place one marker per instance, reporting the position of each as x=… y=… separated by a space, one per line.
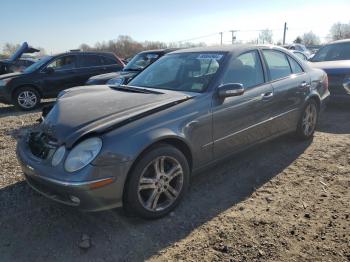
x=97 y=109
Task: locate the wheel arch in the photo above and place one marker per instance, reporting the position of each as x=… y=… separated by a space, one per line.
x=25 y=85
x=316 y=98
x=174 y=141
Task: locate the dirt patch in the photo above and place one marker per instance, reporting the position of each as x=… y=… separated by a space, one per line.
x=285 y=200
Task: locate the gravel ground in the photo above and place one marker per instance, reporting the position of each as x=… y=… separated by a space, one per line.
x=284 y=200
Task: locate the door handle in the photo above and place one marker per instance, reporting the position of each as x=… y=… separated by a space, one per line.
x=267 y=96
x=304 y=84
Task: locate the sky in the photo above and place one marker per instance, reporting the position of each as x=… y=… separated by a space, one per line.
x=62 y=25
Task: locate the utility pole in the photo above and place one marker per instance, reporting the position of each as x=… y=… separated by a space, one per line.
x=233 y=35
x=284 y=33
x=221 y=38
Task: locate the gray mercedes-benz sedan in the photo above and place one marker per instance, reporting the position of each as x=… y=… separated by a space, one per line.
x=136 y=146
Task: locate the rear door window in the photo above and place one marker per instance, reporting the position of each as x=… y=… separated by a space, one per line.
x=277 y=64
x=90 y=60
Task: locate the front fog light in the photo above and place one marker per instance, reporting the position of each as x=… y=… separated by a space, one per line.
x=58 y=156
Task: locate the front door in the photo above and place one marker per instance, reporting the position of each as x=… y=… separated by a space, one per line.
x=241 y=120
x=59 y=74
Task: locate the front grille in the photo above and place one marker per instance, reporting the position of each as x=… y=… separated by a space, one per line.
x=41 y=145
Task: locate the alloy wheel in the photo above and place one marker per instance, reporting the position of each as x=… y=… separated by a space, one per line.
x=27 y=99
x=309 y=119
x=160 y=183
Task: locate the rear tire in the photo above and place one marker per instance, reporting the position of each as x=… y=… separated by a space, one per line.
x=157 y=182
x=26 y=98
x=308 y=121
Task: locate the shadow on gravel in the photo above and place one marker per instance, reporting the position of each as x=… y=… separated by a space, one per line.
x=36 y=229
x=335 y=119
x=10 y=110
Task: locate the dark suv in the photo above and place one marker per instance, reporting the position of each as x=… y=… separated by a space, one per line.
x=52 y=74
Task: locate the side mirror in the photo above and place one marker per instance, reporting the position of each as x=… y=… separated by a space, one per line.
x=49 y=70
x=231 y=89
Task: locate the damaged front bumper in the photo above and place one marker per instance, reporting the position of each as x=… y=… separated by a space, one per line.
x=94 y=188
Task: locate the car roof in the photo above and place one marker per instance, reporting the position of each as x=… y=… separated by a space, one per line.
x=77 y=52
x=237 y=48
x=340 y=41
x=159 y=51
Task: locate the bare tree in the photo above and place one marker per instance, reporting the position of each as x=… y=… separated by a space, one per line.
x=298 y=40
x=340 y=31
x=265 y=36
x=9 y=48
x=124 y=46
x=310 y=39
x=41 y=53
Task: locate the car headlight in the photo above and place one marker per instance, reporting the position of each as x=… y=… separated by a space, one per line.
x=83 y=154
x=58 y=156
x=116 y=81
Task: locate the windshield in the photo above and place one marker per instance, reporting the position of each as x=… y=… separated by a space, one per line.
x=333 y=52
x=140 y=61
x=37 y=65
x=191 y=72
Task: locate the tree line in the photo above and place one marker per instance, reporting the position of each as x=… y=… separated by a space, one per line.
x=124 y=46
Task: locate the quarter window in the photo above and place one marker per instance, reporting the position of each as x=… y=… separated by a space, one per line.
x=63 y=63
x=301 y=56
x=109 y=61
x=245 y=69
x=277 y=63
x=296 y=68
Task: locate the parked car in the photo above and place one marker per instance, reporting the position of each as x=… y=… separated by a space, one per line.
x=299 y=47
x=137 y=145
x=52 y=74
x=133 y=67
x=334 y=58
x=14 y=62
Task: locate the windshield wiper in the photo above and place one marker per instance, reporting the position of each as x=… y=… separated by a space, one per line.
x=139 y=69
x=134 y=89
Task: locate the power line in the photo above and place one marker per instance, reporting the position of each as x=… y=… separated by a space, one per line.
x=198 y=37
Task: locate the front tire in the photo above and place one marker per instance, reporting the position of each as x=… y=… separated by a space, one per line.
x=26 y=98
x=157 y=182
x=308 y=121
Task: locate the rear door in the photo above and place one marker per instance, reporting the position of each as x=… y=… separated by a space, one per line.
x=63 y=75
x=290 y=84
x=89 y=65
x=242 y=120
